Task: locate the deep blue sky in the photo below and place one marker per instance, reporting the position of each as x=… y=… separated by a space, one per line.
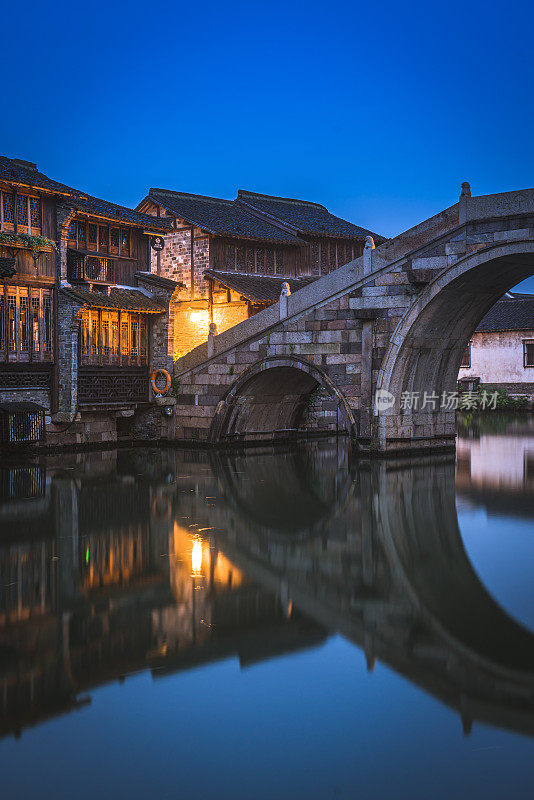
x=379 y=111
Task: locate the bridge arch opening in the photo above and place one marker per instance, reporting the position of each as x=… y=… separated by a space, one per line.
x=426 y=349
x=278 y=399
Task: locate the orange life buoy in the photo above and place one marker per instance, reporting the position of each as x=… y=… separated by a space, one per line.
x=153 y=381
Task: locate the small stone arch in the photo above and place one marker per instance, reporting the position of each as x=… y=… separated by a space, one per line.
x=268 y=401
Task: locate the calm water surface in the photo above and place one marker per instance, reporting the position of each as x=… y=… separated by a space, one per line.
x=296 y=624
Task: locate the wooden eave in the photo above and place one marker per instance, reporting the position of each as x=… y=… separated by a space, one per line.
x=30 y=187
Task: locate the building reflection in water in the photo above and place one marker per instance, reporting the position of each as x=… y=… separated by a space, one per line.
x=495 y=468
x=123 y=561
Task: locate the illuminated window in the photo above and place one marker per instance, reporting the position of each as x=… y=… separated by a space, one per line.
x=105 y=338
x=102 y=346
x=35 y=325
x=124 y=338
x=12 y=305
x=28 y=313
x=115 y=337
x=24 y=327
x=528 y=352
x=94 y=338
x=85 y=337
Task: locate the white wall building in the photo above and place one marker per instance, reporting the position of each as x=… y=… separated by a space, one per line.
x=501 y=351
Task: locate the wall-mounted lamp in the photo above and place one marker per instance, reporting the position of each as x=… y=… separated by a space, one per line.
x=198 y=316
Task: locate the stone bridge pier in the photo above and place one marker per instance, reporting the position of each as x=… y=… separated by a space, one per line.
x=372 y=349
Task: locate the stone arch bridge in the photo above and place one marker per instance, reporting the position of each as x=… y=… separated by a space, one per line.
x=395 y=320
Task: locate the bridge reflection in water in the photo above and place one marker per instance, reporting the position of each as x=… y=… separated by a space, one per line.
x=117 y=562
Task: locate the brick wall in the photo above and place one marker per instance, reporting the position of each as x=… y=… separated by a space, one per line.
x=40 y=396
x=191 y=322
x=175 y=260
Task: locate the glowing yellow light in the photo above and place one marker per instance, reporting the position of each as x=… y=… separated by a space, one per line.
x=198 y=316
x=196 y=557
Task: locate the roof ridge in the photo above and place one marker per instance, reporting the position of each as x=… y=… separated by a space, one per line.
x=175 y=193
x=247 y=193
x=253 y=274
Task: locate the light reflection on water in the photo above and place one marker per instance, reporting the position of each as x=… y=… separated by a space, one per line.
x=289 y=624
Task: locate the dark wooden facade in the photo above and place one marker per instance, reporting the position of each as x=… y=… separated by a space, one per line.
x=316 y=257
x=103 y=251
x=28 y=298
x=51 y=234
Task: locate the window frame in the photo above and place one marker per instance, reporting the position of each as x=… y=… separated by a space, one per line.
x=27 y=322
x=467 y=352
x=527 y=342
x=103 y=240
x=25 y=227
x=107 y=338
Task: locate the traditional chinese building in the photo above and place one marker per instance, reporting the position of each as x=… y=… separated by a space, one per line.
x=83 y=322
x=501 y=351
x=232 y=256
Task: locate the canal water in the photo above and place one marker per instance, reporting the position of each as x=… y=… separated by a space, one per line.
x=280 y=624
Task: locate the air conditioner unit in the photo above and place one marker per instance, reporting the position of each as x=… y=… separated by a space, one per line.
x=88 y=269
x=21 y=423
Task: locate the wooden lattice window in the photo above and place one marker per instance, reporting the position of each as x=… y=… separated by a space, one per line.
x=114 y=240
x=8 y=208
x=103 y=234
x=230 y=257
x=113 y=337
x=92 y=235
x=251 y=260
x=26 y=324
x=35 y=212
x=24 y=327
x=22 y=210
x=72 y=232
x=260 y=259
x=125 y=242
x=36 y=343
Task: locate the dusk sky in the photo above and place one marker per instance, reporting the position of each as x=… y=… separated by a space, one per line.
x=378 y=111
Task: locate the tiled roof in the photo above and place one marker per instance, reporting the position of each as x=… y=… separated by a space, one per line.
x=27 y=174
x=124 y=299
x=7 y=267
x=159 y=280
x=512 y=313
x=101 y=208
x=257 y=288
x=221 y=217
x=304 y=217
